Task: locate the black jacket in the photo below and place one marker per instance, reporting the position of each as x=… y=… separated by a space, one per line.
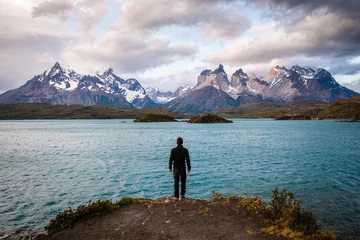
x=178 y=155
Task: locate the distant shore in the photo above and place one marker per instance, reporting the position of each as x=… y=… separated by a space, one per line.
x=343 y=109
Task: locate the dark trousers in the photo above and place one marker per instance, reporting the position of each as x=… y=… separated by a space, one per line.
x=179 y=174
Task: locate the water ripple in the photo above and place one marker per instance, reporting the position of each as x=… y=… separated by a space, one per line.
x=48 y=166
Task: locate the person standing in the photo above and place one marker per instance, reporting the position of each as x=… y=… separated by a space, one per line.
x=178 y=156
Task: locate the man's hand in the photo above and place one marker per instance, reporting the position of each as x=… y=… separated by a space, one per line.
x=170 y=169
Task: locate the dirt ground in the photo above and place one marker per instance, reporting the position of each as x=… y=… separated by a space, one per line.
x=168 y=219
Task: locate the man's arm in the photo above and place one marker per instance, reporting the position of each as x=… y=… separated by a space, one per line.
x=171 y=159
x=188 y=161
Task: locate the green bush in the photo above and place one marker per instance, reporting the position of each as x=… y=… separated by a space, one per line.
x=285 y=211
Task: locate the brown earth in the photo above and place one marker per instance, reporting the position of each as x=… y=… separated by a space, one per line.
x=169 y=219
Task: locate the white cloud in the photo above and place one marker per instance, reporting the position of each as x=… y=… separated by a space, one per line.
x=134 y=45
x=27 y=51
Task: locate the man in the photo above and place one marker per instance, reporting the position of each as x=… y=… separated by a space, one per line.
x=178 y=156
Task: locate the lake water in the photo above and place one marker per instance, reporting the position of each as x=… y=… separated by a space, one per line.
x=48 y=166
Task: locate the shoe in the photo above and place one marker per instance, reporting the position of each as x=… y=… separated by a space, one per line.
x=174 y=198
x=182 y=197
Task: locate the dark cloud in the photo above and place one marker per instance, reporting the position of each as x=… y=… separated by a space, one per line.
x=312 y=5
x=216 y=18
x=326 y=30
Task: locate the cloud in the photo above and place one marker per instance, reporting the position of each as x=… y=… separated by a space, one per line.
x=58 y=8
x=134 y=43
x=127 y=53
x=215 y=18
x=355 y=85
x=27 y=51
x=318 y=29
x=87 y=12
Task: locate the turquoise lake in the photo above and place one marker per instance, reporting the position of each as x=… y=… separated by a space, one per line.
x=48 y=166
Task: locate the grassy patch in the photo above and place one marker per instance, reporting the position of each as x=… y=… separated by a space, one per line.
x=252 y=204
x=69 y=217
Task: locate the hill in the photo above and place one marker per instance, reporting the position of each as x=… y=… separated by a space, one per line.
x=269 y=110
x=21 y=111
x=209 y=118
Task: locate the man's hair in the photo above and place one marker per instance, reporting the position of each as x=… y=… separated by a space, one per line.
x=179 y=141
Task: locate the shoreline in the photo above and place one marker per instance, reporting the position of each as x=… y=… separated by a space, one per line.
x=231 y=217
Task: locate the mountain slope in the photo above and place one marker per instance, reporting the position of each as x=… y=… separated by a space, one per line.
x=305 y=82
x=206 y=99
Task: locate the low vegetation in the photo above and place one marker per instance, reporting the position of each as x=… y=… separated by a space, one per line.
x=151 y=117
x=68 y=218
x=47 y=111
x=343 y=109
x=209 y=118
x=284 y=215
x=269 y=110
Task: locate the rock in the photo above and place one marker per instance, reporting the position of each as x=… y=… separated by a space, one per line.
x=209 y=118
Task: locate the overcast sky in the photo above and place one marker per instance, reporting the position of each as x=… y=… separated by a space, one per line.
x=166 y=43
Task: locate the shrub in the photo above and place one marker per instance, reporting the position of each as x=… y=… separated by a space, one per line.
x=285 y=212
x=253 y=203
x=69 y=217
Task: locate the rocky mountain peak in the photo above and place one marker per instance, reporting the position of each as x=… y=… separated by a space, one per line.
x=217 y=78
x=240 y=73
x=206 y=72
x=56 y=65
x=220 y=69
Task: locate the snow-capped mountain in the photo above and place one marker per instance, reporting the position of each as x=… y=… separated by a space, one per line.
x=305 y=82
x=62 y=85
x=162 y=97
x=213 y=91
x=280 y=85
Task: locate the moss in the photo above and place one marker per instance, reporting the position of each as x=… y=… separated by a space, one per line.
x=151 y=117
x=209 y=118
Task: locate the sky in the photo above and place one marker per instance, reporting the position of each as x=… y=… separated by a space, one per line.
x=167 y=43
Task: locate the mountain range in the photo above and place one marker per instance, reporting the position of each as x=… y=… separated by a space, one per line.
x=213 y=91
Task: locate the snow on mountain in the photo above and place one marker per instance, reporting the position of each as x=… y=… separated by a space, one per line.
x=62 y=85
x=131 y=89
x=281 y=84
x=162 y=97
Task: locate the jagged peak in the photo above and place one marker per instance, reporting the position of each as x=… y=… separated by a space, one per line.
x=240 y=73
x=219 y=69
x=105 y=71
x=307 y=69
x=280 y=68
x=206 y=72
x=56 y=65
